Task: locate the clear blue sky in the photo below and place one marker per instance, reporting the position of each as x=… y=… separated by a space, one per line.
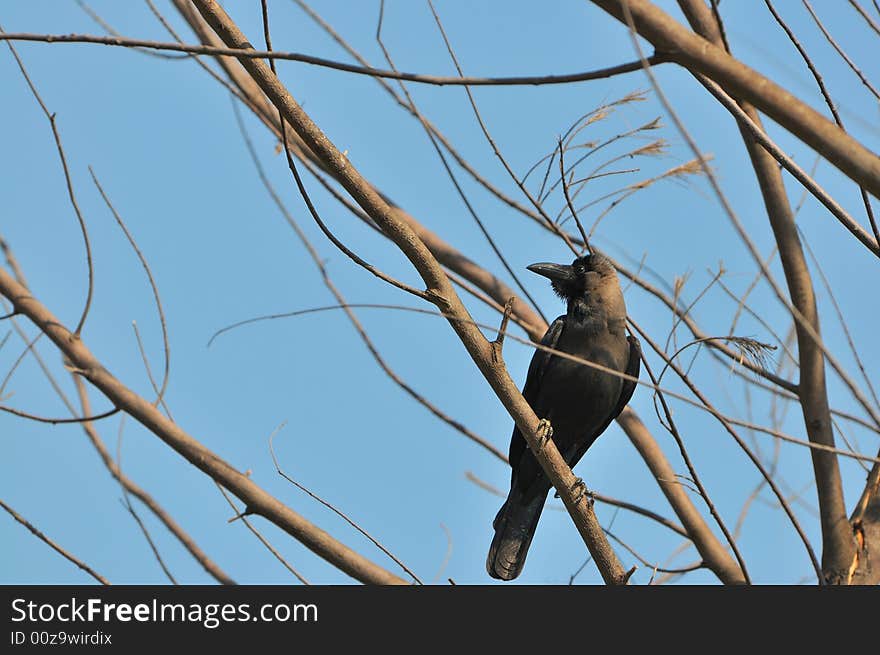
x=161 y=136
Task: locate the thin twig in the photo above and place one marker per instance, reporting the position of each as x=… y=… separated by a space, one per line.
x=70 y=193
x=869 y=211
x=140 y=255
x=59 y=421
x=109 y=29
x=334 y=509
x=557 y=353
x=673 y=430
x=726 y=422
x=126 y=502
x=437 y=80
x=258 y=535
x=849 y=62
x=58 y=549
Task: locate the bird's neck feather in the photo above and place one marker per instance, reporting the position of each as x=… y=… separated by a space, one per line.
x=585 y=313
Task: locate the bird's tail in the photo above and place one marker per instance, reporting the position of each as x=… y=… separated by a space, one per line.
x=514 y=526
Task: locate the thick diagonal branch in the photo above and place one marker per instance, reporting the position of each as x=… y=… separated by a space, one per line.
x=494 y=288
x=439 y=288
x=257 y=501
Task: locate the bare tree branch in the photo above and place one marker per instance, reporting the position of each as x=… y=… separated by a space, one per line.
x=712 y=551
x=70 y=192
x=446 y=254
x=439 y=290
x=437 y=80
x=738 y=80
x=260 y=537
x=257 y=500
x=838 y=545
x=869 y=211
x=58 y=549
x=130 y=487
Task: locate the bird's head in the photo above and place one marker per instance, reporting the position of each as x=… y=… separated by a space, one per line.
x=578 y=279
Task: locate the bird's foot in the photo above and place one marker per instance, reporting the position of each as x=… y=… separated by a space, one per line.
x=545 y=433
x=579 y=488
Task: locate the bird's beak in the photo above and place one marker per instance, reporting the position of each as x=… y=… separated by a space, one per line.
x=555 y=272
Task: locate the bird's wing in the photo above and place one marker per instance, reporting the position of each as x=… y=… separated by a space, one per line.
x=633 y=366
x=537 y=367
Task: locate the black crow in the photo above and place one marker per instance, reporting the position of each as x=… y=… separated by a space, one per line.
x=578 y=401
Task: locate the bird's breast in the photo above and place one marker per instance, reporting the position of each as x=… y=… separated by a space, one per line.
x=576 y=397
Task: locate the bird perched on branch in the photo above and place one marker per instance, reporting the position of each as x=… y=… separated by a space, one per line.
x=578 y=401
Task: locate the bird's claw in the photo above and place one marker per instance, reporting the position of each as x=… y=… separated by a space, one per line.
x=579 y=488
x=544 y=432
